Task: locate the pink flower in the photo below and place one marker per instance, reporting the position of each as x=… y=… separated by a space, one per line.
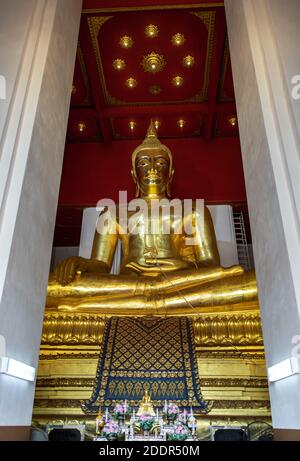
x=180 y=430
x=144 y=417
x=111 y=428
x=172 y=409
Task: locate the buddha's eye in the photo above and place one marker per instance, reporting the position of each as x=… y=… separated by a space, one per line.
x=161 y=162
x=143 y=163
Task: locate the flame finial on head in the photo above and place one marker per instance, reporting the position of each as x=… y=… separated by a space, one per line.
x=151 y=132
x=151 y=142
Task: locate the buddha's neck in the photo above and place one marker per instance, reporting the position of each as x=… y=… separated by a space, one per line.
x=152 y=194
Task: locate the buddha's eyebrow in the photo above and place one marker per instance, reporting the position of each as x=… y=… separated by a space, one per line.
x=145 y=157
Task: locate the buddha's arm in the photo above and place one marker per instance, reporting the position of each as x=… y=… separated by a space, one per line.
x=104 y=247
x=204 y=250
x=103 y=250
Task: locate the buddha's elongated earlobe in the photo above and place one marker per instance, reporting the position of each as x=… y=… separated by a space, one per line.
x=137 y=191
x=137 y=188
x=169 y=184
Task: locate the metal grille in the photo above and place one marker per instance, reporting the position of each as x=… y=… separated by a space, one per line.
x=241 y=240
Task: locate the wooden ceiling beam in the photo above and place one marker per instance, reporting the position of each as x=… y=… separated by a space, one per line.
x=102 y=5
x=94 y=80
x=141 y=111
x=215 y=72
x=168 y=109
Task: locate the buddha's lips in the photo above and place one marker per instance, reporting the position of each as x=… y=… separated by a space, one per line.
x=152 y=177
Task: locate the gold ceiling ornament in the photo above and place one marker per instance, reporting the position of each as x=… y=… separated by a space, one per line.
x=155 y=89
x=208 y=17
x=118 y=64
x=131 y=82
x=181 y=123
x=81 y=126
x=74 y=89
x=232 y=121
x=178 y=39
x=132 y=125
x=151 y=31
x=153 y=62
x=177 y=81
x=157 y=124
x=126 y=41
x=188 y=61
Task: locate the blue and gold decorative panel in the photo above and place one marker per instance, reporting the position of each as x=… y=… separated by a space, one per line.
x=154 y=354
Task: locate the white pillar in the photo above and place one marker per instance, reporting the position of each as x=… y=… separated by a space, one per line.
x=38 y=40
x=264 y=47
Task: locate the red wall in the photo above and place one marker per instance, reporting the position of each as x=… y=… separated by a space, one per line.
x=212 y=171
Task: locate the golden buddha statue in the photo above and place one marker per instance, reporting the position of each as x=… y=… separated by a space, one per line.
x=161 y=273
x=146 y=406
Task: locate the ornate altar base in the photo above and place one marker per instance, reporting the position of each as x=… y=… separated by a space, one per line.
x=153 y=354
x=230 y=361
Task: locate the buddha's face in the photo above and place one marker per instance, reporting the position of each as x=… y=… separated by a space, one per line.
x=152 y=169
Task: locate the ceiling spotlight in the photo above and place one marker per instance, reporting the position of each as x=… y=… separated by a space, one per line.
x=157 y=124
x=74 y=89
x=126 y=41
x=153 y=62
x=155 y=89
x=151 y=31
x=232 y=121
x=118 y=64
x=81 y=126
x=177 y=81
x=178 y=39
x=188 y=61
x=132 y=125
x=131 y=82
x=181 y=123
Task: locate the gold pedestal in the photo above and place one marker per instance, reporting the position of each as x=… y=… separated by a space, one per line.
x=230 y=360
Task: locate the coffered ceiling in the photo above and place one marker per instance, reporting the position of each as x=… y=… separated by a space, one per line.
x=168 y=61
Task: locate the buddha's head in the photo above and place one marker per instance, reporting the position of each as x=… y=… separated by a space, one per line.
x=152 y=166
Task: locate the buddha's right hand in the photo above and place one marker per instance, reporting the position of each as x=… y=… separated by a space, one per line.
x=67 y=269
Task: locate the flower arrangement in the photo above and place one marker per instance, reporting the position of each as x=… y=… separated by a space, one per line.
x=179 y=432
x=121 y=409
x=145 y=422
x=111 y=430
x=171 y=411
x=182 y=419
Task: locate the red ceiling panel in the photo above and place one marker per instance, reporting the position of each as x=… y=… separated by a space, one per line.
x=196 y=30
x=83 y=129
x=226 y=125
x=186 y=125
x=206 y=85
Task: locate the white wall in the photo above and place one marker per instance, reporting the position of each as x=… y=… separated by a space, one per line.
x=264 y=39
x=32 y=146
x=15 y=19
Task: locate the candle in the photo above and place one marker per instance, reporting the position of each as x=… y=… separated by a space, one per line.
x=166 y=407
x=106 y=415
x=191 y=413
x=156 y=414
x=133 y=414
x=125 y=407
x=193 y=427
